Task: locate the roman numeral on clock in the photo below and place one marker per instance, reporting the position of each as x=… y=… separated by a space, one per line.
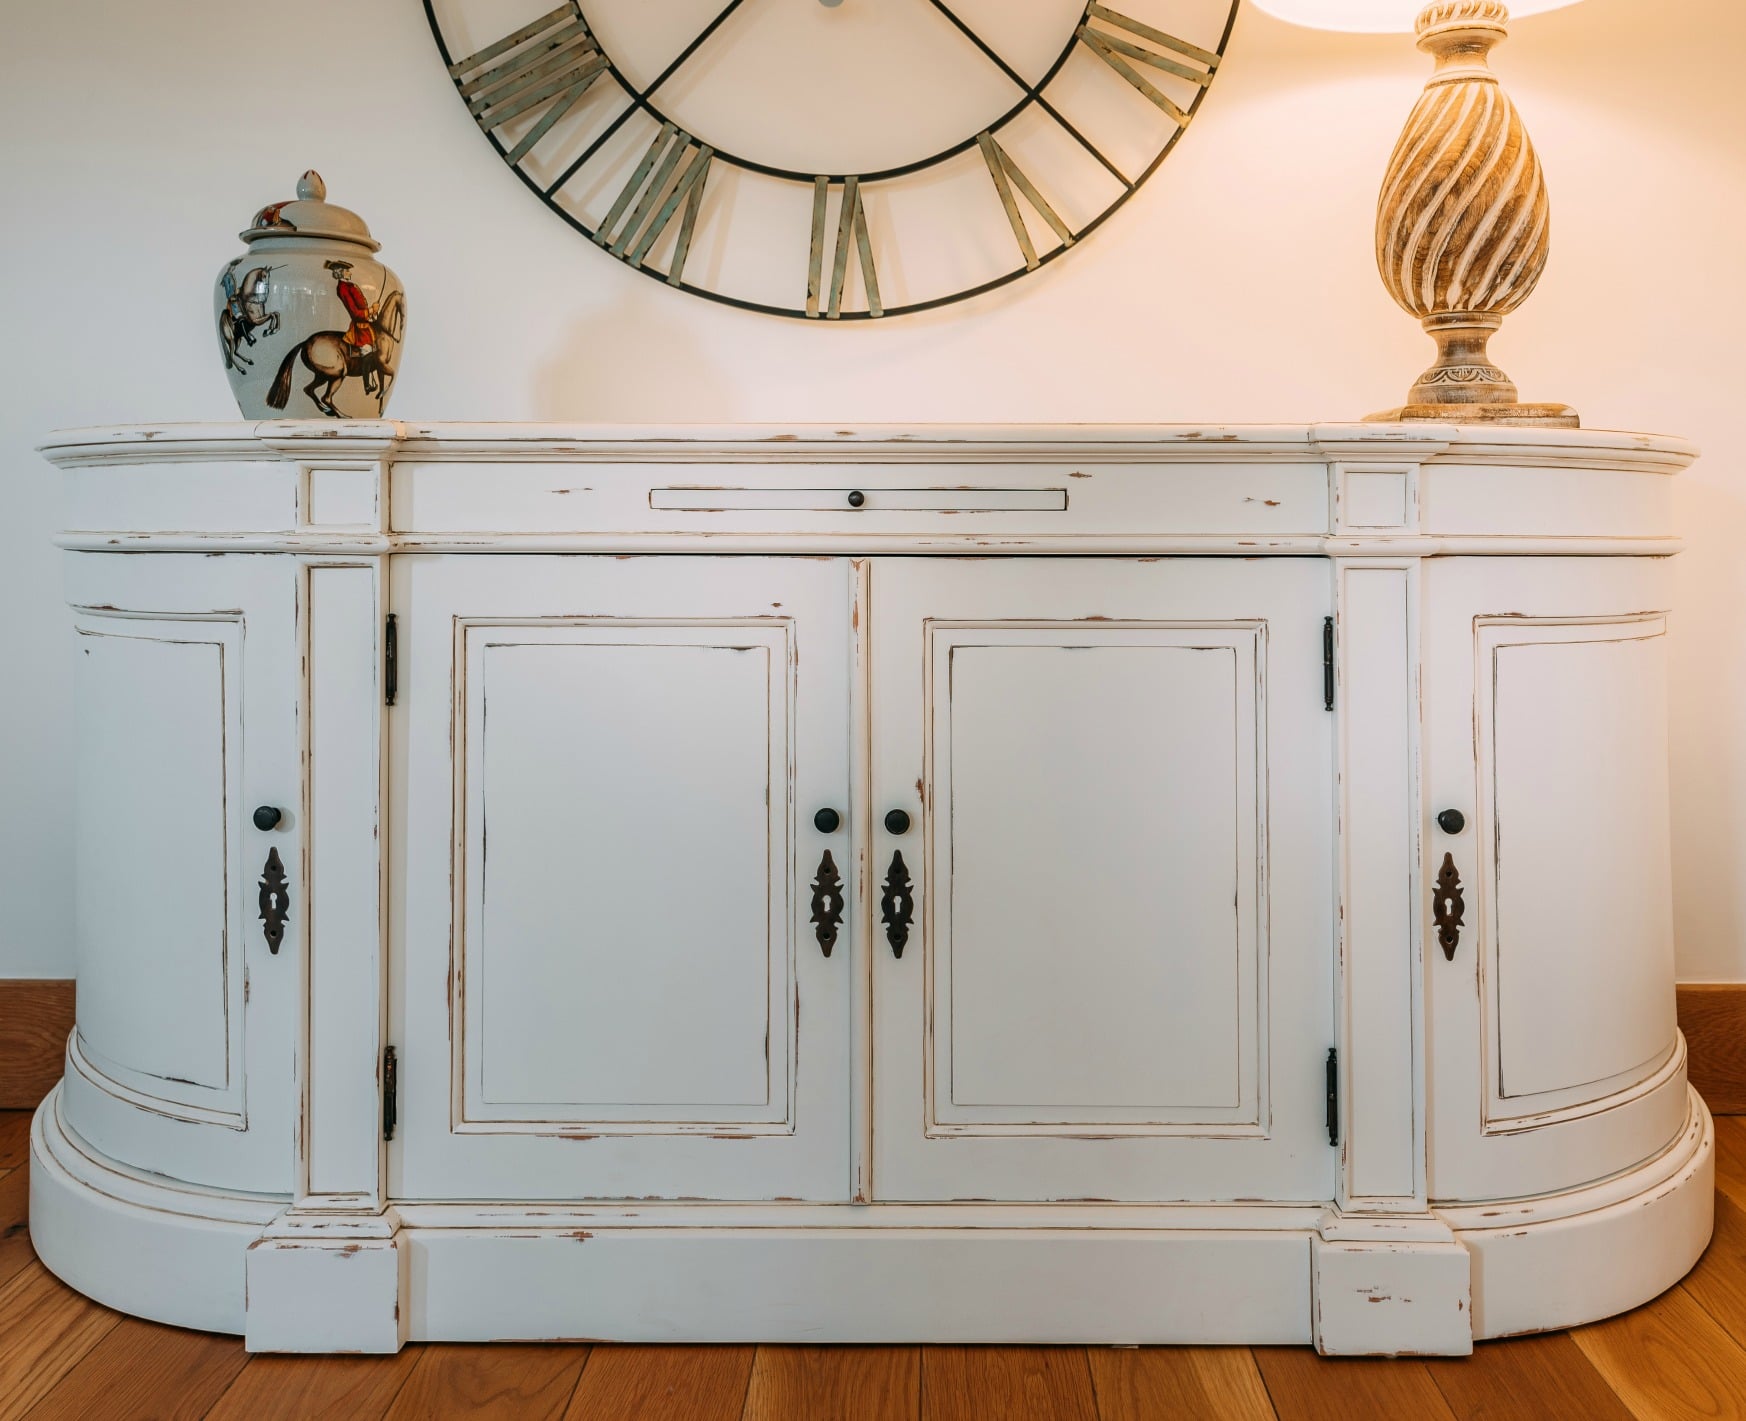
x=851 y=227
x=549 y=64
x=654 y=189
x=1161 y=51
x=1007 y=176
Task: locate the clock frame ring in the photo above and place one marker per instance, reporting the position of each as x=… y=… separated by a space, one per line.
x=1031 y=95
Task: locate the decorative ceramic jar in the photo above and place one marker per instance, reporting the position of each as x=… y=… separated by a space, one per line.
x=309 y=322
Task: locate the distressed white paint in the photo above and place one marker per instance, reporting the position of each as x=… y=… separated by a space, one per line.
x=1123 y=850
x=193 y=720
x=1155 y=881
x=347 y=911
x=604 y=806
x=1575 y=752
x=1380 y=976
x=1592 y=858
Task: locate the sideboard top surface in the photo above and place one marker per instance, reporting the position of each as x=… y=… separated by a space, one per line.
x=945 y=442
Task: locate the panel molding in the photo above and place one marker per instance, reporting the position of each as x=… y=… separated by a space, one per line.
x=1246 y=642
x=472 y=1112
x=1504 y=1109
x=173 y=1086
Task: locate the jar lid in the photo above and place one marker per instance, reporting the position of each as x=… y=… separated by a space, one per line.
x=310 y=215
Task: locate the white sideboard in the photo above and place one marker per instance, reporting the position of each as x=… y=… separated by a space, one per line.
x=1097 y=884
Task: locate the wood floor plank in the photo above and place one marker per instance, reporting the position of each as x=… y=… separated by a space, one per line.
x=1669 y=1361
x=15 y=1250
x=275 y=1388
x=48 y=1329
x=14 y=1138
x=1013 y=1383
x=1306 y=1387
x=516 y=1383
x=1207 y=1383
x=662 y=1384
x=1731 y=1157
x=835 y=1384
x=1526 y=1376
x=36 y=1016
x=146 y=1372
x=1718 y=1283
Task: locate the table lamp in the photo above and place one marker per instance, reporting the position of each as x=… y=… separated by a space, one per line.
x=1463 y=220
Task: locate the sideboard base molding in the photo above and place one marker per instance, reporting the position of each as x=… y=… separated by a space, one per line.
x=1253 y=1274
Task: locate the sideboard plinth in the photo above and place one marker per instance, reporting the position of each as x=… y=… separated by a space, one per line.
x=1204 y=1274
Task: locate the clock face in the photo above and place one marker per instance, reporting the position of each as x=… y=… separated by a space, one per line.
x=833 y=159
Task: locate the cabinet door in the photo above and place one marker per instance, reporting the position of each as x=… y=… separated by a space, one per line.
x=1118 y=981
x=1556 y=1055
x=608 y=981
x=185 y=693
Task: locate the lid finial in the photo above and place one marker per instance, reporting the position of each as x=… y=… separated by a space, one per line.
x=311 y=188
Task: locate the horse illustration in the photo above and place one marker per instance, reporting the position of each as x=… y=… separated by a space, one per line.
x=243 y=313
x=334 y=359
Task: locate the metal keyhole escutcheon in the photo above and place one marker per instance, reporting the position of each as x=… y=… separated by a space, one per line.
x=274 y=900
x=827 y=903
x=897 y=904
x=1447 y=907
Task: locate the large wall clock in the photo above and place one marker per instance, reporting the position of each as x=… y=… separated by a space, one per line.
x=833 y=159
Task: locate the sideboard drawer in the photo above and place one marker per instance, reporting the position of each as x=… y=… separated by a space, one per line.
x=925 y=498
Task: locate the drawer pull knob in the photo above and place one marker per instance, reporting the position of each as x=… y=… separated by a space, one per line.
x=827 y=821
x=1447 y=906
x=897 y=822
x=1451 y=821
x=275 y=901
x=267 y=817
x=827 y=902
x=856 y=498
x=897 y=903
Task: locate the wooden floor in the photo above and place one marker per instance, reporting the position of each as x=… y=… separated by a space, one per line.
x=1683 y=1355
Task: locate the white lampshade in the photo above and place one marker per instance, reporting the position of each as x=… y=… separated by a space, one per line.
x=1377 y=16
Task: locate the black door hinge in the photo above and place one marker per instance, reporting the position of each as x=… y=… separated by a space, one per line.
x=390 y=1092
x=391 y=659
x=1327 y=663
x=1333 y=1096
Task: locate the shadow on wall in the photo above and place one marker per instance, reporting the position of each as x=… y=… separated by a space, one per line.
x=652 y=364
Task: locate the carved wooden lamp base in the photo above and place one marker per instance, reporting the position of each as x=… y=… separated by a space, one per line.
x=1463 y=222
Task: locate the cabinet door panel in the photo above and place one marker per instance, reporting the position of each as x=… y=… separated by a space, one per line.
x=1557 y=1050
x=605 y=777
x=1583 y=913
x=164 y=893
x=186 y=703
x=1063 y=999
x=1119 y=982
x=629 y=786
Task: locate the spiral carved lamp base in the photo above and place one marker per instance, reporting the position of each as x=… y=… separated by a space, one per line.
x=1463 y=222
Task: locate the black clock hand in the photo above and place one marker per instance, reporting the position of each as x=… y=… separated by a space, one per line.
x=1033 y=92
x=640 y=97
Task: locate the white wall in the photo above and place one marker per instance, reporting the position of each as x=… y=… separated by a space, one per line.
x=1237 y=286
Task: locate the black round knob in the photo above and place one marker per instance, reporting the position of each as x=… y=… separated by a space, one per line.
x=1451 y=821
x=856 y=498
x=897 y=822
x=267 y=817
x=826 y=821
